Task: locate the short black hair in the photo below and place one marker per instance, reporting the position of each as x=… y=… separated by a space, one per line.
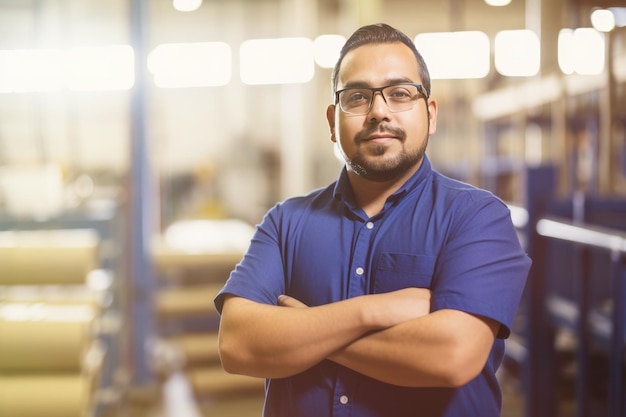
x=376 y=34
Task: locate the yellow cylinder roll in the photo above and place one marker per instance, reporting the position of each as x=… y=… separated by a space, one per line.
x=47 y=257
x=215 y=381
x=197 y=348
x=44 y=396
x=42 y=345
x=187 y=301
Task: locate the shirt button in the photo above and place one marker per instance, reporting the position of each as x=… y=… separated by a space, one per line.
x=343 y=399
x=359 y=271
x=369 y=225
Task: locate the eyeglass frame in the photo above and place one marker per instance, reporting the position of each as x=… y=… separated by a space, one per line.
x=420 y=89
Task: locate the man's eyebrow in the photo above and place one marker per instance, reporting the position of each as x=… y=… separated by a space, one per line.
x=364 y=84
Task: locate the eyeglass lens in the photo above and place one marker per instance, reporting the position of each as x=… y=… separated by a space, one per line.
x=399 y=98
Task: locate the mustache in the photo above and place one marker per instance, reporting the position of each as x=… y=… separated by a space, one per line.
x=380 y=128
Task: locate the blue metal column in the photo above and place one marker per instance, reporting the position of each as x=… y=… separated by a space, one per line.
x=617 y=390
x=140 y=227
x=539 y=369
x=581 y=280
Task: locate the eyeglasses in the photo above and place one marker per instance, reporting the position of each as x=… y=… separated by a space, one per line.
x=399 y=97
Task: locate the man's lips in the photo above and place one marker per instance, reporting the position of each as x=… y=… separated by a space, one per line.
x=381 y=134
x=379 y=138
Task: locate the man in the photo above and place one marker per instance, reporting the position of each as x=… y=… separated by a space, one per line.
x=389 y=292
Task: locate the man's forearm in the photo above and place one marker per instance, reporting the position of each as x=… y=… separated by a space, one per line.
x=447 y=348
x=269 y=341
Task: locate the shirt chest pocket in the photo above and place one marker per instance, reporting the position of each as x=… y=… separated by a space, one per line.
x=401 y=270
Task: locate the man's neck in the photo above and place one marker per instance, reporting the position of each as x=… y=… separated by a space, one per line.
x=370 y=195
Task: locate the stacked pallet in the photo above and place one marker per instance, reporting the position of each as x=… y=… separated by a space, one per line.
x=50 y=357
x=193 y=261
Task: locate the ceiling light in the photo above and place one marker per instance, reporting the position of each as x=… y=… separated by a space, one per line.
x=581 y=51
x=103 y=68
x=277 y=61
x=455 y=55
x=202 y=64
x=517 y=53
x=603 y=20
x=327 y=49
x=31 y=70
x=498 y=3
x=187 y=5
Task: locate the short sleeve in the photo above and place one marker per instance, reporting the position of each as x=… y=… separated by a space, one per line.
x=259 y=276
x=482 y=269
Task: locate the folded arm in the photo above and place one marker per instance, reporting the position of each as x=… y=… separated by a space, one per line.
x=276 y=341
x=447 y=348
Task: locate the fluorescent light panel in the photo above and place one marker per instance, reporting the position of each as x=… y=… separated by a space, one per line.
x=180 y=65
x=581 y=51
x=277 y=61
x=517 y=53
x=603 y=20
x=186 y=5
x=498 y=3
x=100 y=68
x=31 y=70
x=327 y=49
x=77 y=69
x=455 y=55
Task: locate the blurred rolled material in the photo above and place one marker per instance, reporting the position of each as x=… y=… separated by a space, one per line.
x=58 y=346
x=187 y=301
x=44 y=337
x=65 y=297
x=44 y=395
x=214 y=381
x=197 y=348
x=46 y=257
x=201 y=250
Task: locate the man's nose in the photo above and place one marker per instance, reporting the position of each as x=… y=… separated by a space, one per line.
x=378 y=109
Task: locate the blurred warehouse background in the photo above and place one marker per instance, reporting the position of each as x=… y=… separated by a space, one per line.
x=142 y=140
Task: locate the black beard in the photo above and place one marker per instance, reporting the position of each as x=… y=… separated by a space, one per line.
x=387 y=170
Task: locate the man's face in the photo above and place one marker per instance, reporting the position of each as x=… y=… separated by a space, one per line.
x=382 y=145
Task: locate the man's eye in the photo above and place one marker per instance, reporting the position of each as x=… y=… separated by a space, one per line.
x=399 y=94
x=357 y=97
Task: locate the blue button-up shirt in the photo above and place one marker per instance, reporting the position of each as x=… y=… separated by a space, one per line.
x=434 y=233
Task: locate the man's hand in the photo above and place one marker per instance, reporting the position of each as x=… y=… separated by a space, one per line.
x=287 y=301
x=390 y=308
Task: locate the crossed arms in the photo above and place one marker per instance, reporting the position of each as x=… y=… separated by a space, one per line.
x=390 y=337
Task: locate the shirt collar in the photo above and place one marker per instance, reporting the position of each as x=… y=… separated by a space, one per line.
x=343 y=190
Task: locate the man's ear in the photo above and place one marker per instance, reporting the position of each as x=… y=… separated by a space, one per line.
x=432 y=114
x=330 y=116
